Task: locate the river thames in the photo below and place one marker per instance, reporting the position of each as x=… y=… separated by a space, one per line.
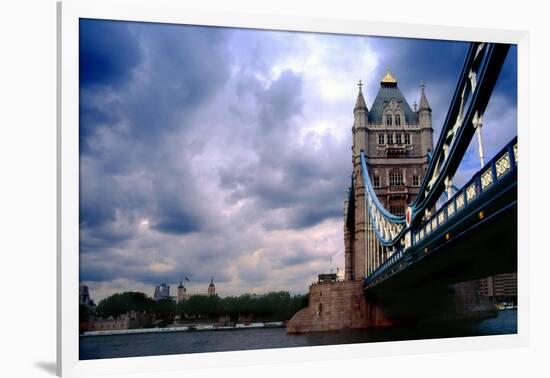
x=154 y=344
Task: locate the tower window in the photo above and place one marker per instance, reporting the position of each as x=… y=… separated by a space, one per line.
x=390 y=138
x=398 y=139
x=397 y=209
x=416 y=180
x=396 y=177
x=388 y=120
x=380 y=138
x=398 y=120
x=376 y=181
x=407 y=138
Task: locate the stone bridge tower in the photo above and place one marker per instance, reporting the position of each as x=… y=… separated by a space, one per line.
x=396 y=140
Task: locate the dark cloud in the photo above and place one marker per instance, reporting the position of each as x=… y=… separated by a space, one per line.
x=280 y=102
x=176 y=215
x=108 y=52
x=156 y=78
x=184 y=67
x=164 y=260
x=287 y=175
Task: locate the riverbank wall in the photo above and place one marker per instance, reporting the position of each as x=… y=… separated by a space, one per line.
x=190 y=328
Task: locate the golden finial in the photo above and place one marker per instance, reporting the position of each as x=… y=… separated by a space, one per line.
x=388 y=78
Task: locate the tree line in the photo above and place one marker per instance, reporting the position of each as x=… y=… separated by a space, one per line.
x=274 y=306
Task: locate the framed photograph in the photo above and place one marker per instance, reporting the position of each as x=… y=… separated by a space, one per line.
x=240 y=189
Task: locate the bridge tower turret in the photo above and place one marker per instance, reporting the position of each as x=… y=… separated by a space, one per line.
x=425 y=121
x=359 y=129
x=354 y=240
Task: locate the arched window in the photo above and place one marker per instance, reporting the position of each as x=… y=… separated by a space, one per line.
x=380 y=138
x=398 y=120
x=398 y=139
x=390 y=138
x=388 y=120
x=396 y=177
x=407 y=138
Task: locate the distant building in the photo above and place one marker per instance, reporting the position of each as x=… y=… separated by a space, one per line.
x=211 y=288
x=129 y=320
x=162 y=291
x=182 y=292
x=500 y=288
x=84 y=296
x=327 y=277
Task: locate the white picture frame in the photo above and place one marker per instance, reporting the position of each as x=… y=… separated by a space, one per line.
x=69 y=12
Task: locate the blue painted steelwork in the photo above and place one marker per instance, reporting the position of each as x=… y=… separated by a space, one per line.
x=495 y=173
x=388 y=227
x=477 y=80
x=479 y=75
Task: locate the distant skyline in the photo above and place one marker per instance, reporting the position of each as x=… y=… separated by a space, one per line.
x=225 y=152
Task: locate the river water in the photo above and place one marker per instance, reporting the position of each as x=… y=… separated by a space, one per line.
x=154 y=344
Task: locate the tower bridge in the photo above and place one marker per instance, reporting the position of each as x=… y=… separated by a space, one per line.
x=407 y=259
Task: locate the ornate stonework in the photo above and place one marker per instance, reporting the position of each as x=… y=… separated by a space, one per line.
x=396 y=141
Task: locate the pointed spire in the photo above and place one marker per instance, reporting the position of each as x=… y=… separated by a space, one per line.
x=424 y=105
x=212 y=281
x=360 y=103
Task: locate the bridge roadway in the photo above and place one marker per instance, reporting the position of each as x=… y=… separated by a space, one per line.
x=467 y=239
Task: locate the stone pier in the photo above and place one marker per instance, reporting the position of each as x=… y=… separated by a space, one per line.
x=336 y=306
x=344 y=305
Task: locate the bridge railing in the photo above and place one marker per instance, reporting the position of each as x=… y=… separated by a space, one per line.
x=502 y=164
x=483 y=180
